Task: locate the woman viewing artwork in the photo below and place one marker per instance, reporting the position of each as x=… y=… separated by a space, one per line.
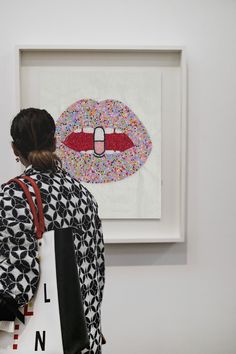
x=66 y=204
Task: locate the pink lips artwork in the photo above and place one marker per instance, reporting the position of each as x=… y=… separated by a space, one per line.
x=100 y=142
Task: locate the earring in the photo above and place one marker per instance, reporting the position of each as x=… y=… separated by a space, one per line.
x=17 y=159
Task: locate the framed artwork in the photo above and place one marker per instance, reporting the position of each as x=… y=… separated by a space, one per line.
x=121 y=130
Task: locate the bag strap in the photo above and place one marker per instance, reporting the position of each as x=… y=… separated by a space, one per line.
x=38 y=218
x=39 y=203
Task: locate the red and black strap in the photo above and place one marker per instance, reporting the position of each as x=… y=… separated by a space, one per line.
x=37 y=217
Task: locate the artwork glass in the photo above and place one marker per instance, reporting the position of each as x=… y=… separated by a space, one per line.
x=108 y=133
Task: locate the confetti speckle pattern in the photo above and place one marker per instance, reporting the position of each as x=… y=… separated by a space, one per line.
x=109 y=114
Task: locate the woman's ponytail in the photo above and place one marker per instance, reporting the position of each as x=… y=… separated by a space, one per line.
x=44 y=160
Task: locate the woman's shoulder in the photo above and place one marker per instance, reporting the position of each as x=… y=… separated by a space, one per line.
x=11 y=195
x=9 y=189
x=84 y=190
x=65 y=180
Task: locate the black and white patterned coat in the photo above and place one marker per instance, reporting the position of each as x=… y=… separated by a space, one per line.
x=67 y=203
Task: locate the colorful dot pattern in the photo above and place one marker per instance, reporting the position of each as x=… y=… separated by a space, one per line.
x=111 y=167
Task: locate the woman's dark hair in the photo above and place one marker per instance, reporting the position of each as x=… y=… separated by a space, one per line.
x=33 y=133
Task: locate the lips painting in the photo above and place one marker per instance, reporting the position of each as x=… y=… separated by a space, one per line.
x=100 y=142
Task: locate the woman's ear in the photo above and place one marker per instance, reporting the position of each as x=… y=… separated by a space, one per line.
x=18 y=154
x=15 y=150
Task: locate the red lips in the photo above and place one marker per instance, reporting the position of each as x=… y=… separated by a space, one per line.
x=85 y=141
x=101 y=142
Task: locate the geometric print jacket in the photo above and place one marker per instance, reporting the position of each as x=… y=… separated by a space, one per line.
x=66 y=203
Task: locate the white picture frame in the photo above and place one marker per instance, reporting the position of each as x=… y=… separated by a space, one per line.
x=172 y=225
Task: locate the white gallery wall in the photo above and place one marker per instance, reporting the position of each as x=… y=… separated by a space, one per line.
x=159 y=298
